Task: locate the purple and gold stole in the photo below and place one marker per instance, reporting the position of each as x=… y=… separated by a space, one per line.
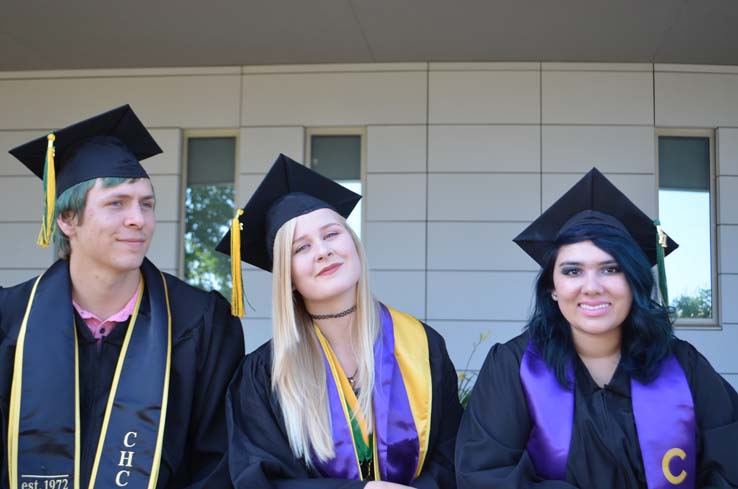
x=44 y=418
x=401 y=400
x=664 y=416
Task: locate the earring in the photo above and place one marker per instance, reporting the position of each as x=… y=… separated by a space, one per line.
x=554 y=296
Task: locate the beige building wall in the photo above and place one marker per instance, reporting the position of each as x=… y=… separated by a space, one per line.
x=459 y=158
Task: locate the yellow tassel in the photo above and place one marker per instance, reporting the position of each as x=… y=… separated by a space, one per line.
x=236 y=281
x=47 y=221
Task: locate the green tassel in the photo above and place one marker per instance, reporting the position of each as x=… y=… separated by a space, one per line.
x=660 y=247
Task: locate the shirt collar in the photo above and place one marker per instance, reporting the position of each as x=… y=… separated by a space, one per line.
x=118 y=317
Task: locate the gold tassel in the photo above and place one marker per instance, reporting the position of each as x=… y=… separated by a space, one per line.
x=47 y=221
x=236 y=281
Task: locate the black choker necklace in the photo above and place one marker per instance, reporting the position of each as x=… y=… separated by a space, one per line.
x=336 y=315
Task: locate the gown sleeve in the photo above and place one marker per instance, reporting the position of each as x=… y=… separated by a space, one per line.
x=221 y=351
x=259 y=454
x=716 y=410
x=490 y=447
x=438 y=470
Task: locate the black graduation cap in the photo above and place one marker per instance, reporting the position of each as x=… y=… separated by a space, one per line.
x=288 y=190
x=110 y=144
x=593 y=199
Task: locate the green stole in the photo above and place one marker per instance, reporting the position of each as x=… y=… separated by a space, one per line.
x=363 y=443
x=44 y=418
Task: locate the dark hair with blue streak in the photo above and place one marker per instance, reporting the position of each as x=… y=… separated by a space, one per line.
x=647 y=332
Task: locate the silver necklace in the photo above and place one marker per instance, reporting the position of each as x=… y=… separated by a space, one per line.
x=352 y=380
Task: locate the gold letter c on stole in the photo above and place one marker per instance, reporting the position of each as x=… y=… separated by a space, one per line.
x=668 y=456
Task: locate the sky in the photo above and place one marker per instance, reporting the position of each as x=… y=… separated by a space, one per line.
x=685 y=217
x=354 y=219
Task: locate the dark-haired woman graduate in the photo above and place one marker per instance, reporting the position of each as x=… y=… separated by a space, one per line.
x=597 y=393
x=349 y=392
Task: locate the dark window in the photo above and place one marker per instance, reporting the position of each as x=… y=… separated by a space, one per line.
x=338 y=157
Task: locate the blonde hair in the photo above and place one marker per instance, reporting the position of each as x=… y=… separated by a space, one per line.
x=298 y=368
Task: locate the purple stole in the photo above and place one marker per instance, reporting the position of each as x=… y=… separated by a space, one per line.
x=663 y=412
x=401 y=402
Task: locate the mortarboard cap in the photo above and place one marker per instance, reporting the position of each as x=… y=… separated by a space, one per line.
x=287 y=191
x=110 y=144
x=593 y=199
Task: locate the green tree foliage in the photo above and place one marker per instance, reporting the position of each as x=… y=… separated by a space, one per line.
x=208 y=209
x=694 y=306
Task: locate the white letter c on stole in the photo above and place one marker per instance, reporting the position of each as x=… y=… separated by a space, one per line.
x=118 y=482
x=130 y=434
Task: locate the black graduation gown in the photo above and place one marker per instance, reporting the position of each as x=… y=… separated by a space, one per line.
x=259 y=452
x=207 y=346
x=604 y=452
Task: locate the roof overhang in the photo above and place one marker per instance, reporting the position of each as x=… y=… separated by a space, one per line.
x=143 y=33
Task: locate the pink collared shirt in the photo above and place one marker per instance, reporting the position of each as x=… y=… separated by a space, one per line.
x=101 y=328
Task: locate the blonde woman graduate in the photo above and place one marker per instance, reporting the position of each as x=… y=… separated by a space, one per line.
x=349 y=392
x=598 y=393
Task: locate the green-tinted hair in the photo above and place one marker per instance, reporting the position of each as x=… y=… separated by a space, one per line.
x=73 y=200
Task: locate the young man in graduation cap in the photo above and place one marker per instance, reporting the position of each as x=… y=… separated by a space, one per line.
x=112 y=373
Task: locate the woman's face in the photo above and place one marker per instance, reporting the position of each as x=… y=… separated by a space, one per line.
x=591 y=289
x=325 y=263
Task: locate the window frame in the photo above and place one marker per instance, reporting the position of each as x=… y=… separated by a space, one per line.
x=698 y=323
x=188 y=134
x=343 y=131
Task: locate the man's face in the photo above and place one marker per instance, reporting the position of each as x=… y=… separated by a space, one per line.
x=115 y=231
